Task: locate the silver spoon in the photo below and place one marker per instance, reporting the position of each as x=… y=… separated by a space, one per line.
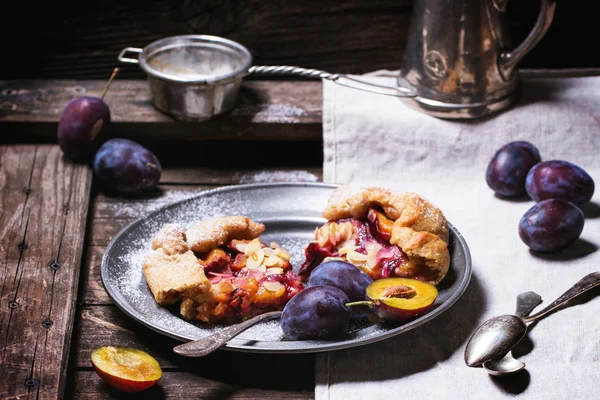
x=208 y=344
x=493 y=339
x=526 y=302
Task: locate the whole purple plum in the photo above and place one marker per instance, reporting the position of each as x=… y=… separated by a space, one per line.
x=551 y=225
x=127 y=167
x=557 y=179
x=81 y=121
x=508 y=168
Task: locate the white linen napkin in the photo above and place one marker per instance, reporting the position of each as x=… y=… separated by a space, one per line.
x=372 y=139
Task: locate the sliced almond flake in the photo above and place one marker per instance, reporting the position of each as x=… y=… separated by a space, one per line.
x=255 y=259
x=347 y=243
x=372 y=259
x=282 y=253
x=262 y=269
x=323 y=235
x=355 y=257
x=347 y=231
x=271 y=261
x=241 y=247
x=269 y=252
x=253 y=247
x=273 y=286
x=274 y=245
x=346 y=250
x=274 y=271
x=333 y=233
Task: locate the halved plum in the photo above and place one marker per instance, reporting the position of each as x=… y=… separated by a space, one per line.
x=126 y=369
x=400 y=299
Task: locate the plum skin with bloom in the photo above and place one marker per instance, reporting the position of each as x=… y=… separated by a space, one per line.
x=558 y=179
x=343 y=275
x=127 y=167
x=551 y=225
x=315 y=312
x=508 y=168
x=82 y=120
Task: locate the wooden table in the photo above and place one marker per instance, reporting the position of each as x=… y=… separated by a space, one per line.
x=55 y=223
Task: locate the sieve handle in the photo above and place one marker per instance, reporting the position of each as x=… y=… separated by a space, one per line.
x=126 y=50
x=340 y=79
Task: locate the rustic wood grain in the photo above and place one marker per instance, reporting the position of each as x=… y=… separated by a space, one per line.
x=100 y=322
x=43 y=208
x=345 y=36
x=190 y=385
x=266 y=110
x=107 y=325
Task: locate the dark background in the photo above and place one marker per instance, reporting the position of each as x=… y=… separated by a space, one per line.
x=81 y=39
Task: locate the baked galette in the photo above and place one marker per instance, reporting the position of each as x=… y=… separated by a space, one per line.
x=220 y=270
x=384 y=233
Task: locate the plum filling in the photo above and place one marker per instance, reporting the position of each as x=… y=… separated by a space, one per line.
x=366 y=244
x=248 y=278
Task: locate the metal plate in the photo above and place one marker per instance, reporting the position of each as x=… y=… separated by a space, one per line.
x=291 y=212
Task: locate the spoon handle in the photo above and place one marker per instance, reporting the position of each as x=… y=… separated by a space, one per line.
x=208 y=344
x=588 y=282
x=526 y=302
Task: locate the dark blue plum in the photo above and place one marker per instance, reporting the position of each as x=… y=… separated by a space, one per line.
x=508 y=168
x=127 y=167
x=557 y=179
x=81 y=122
x=342 y=275
x=551 y=225
x=315 y=312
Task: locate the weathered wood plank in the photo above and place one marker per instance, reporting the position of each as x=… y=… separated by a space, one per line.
x=346 y=36
x=190 y=385
x=106 y=325
x=266 y=110
x=43 y=205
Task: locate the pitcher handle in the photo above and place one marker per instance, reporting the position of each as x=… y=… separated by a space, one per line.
x=340 y=79
x=509 y=59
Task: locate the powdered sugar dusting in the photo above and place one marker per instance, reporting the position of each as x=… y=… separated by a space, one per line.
x=134 y=208
x=276 y=176
x=290 y=214
x=287 y=113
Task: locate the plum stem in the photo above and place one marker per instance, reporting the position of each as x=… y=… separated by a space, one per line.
x=369 y=304
x=109 y=82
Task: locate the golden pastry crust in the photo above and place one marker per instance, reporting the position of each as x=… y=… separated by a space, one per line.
x=406 y=209
x=210 y=233
x=171 y=239
x=172 y=277
x=420 y=229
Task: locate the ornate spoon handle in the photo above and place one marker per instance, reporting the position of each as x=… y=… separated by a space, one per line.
x=588 y=282
x=526 y=302
x=208 y=344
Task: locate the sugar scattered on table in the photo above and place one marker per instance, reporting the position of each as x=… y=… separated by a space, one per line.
x=276 y=176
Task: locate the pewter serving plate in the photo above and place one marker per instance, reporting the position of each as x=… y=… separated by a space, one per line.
x=291 y=212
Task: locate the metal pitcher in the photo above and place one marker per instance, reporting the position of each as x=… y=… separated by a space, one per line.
x=458 y=59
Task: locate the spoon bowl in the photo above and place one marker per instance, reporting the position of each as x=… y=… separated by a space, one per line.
x=498 y=335
x=494 y=339
x=507 y=365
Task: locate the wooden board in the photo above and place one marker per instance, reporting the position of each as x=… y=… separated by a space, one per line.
x=343 y=36
x=100 y=322
x=43 y=210
x=192 y=385
x=266 y=110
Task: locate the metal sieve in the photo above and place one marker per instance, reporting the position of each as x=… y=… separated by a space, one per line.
x=195 y=77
